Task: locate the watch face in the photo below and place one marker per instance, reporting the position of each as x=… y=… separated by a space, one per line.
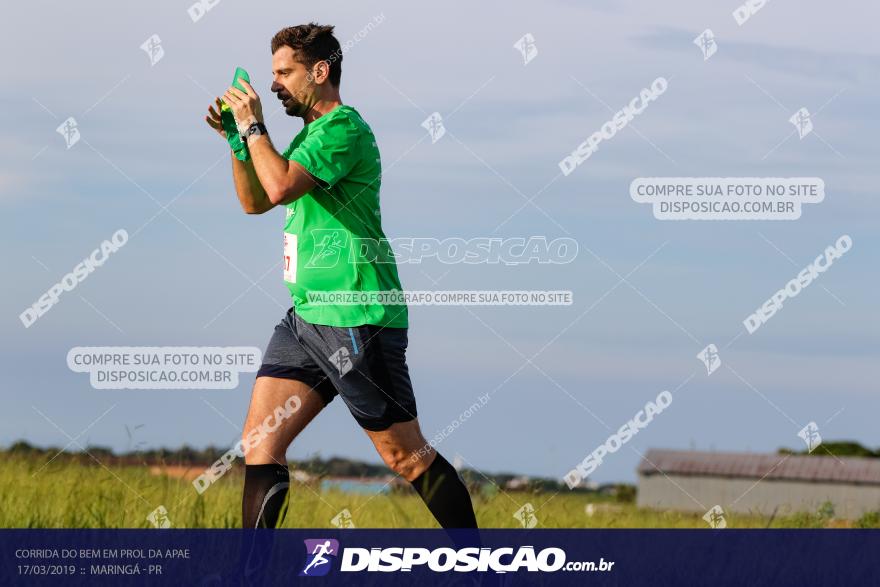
x=255 y=129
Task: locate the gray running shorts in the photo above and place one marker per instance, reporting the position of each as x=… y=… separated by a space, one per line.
x=366 y=365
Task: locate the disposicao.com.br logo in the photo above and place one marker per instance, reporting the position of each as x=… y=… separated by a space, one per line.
x=322 y=552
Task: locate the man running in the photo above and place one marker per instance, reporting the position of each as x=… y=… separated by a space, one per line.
x=328 y=180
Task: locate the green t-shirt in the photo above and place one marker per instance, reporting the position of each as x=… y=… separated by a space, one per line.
x=333 y=239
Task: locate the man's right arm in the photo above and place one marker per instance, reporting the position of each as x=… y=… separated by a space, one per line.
x=250 y=192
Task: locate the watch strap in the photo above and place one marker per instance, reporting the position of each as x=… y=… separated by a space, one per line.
x=255 y=128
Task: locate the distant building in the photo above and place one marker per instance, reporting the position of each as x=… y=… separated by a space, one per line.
x=301 y=476
x=587 y=484
x=521 y=482
x=758 y=483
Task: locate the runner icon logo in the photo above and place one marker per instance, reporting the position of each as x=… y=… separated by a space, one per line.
x=342 y=360
x=320 y=554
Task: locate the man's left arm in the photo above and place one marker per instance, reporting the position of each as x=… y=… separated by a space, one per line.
x=283 y=180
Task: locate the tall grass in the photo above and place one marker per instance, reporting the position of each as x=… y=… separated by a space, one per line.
x=71 y=495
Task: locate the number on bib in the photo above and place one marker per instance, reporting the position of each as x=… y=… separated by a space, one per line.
x=289 y=257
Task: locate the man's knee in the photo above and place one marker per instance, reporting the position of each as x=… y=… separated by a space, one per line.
x=262 y=446
x=403 y=448
x=409 y=464
x=397 y=459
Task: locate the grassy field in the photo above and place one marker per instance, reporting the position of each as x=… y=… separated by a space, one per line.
x=70 y=495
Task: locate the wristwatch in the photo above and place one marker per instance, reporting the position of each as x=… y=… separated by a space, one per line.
x=255 y=128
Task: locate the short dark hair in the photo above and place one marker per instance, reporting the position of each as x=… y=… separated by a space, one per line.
x=312 y=42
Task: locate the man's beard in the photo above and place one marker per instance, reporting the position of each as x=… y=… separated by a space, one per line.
x=292 y=106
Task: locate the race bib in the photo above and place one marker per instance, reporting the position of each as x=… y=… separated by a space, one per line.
x=289 y=257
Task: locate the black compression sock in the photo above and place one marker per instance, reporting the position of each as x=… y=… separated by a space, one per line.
x=446 y=495
x=265 y=493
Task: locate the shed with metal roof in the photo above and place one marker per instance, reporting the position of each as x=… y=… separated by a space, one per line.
x=758 y=483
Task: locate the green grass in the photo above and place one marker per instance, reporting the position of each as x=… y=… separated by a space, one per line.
x=65 y=494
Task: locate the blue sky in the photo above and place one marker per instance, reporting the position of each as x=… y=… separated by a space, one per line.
x=186 y=277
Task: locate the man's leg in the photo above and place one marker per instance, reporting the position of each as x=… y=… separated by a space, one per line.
x=367 y=365
x=287 y=405
x=407 y=453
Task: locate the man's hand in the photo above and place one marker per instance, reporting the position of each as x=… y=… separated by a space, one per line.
x=213 y=119
x=246 y=106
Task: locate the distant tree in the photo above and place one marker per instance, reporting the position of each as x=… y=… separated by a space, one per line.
x=839 y=448
x=186 y=454
x=625 y=493
x=100 y=451
x=21 y=447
